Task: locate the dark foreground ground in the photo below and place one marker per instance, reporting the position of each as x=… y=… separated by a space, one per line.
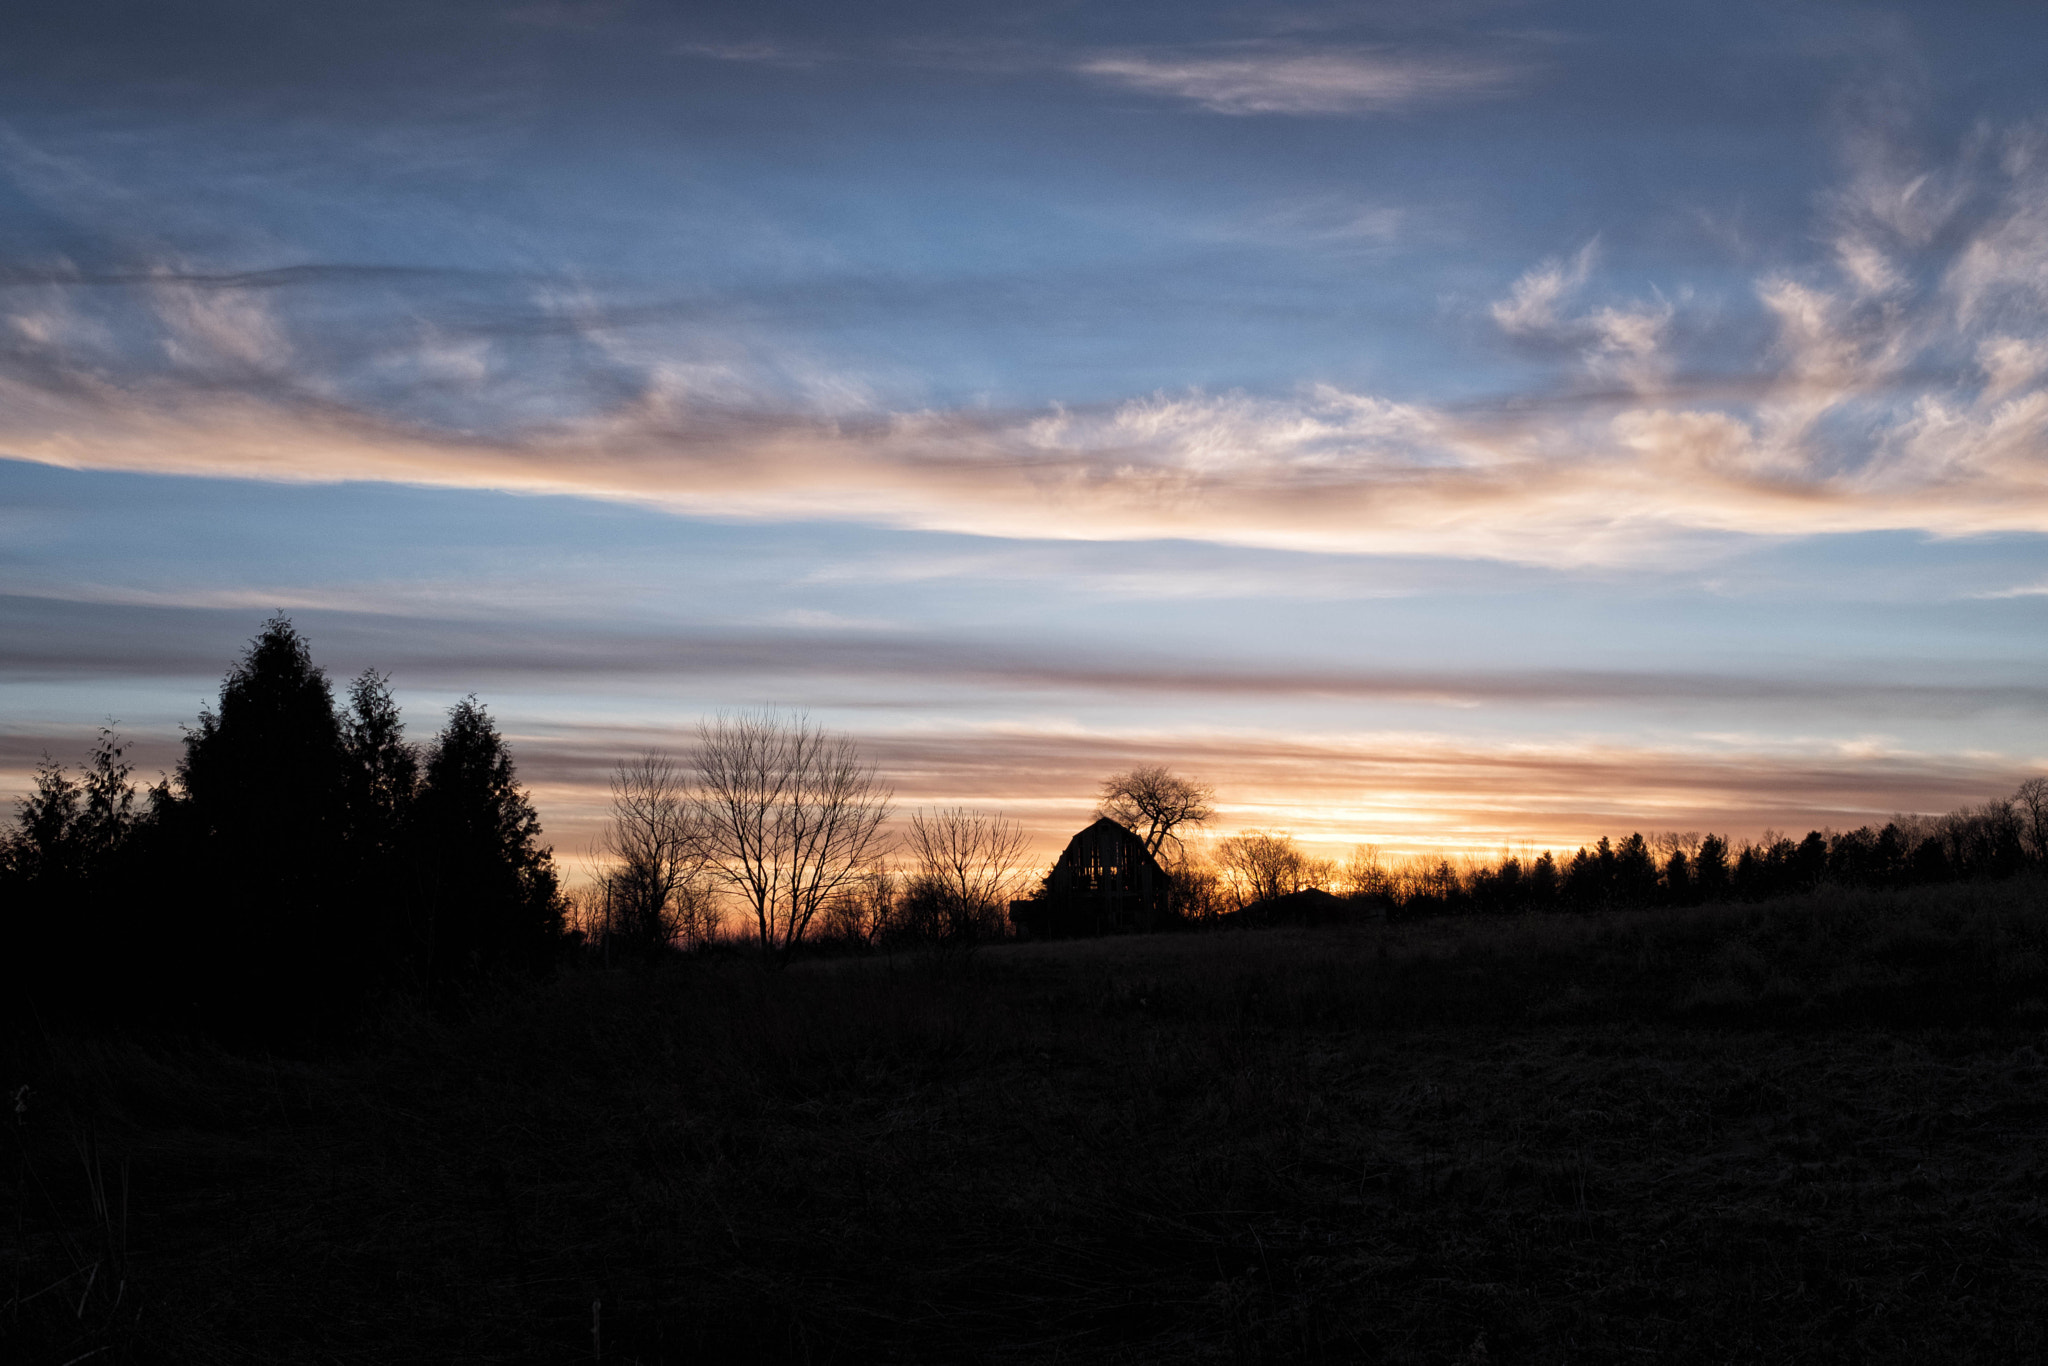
x=1814 y=1131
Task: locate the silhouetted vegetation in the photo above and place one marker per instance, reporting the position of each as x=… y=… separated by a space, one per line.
x=301 y=860
x=1995 y=840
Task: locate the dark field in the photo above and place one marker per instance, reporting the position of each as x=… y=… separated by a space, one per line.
x=1815 y=1130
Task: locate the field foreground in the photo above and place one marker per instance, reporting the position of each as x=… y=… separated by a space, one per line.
x=1812 y=1130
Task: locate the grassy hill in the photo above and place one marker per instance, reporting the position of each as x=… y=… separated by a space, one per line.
x=1807 y=1129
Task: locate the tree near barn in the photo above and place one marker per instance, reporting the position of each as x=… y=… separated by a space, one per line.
x=964 y=869
x=790 y=816
x=1155 y=802
x=492 y=901
x=1259 y=865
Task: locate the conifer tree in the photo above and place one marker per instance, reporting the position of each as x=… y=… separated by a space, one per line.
x=259 y=822
x=493 y=902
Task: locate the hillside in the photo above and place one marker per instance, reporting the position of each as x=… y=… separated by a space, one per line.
x=1805 y=1129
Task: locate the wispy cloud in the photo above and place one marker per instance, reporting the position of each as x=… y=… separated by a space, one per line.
x=1918 y=407
x=759 y=53
x=1618 y=344
x=1531 y=307
x=1272 y=78
x=145 y=634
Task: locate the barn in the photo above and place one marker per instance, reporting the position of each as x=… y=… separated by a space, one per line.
x=1104 y=883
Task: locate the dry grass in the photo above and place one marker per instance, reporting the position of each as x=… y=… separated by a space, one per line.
x=1805 y=1131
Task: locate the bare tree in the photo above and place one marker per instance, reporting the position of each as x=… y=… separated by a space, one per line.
x=864 y=910
x=2031 y=801
x=1365 y=873
x=1154 y=802
x=789 y=816
x=965 y=868
x=1261 y=864
x=1671 y=842
x=1197 y=884
x=657 y=854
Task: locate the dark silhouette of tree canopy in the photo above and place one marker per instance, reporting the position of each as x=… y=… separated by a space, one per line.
x=2030 y=805
x=1635 y=873
x=262 y=774
x=493 y=898
x=301 y=859
x=381 y=781
x=68 y=891
x=259 y=823
x=1710 y=868
x=45 y=845
x=1155 y=802
x=382 y=770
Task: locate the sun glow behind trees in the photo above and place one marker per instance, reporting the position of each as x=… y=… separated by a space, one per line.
x=1434 y=435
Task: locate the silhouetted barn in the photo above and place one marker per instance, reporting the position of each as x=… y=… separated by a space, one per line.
x=1105 y=883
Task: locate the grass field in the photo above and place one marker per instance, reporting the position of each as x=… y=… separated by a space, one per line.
x=1814 y=1130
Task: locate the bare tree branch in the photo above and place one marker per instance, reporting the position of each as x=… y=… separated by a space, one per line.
x=1155 y=802
x=1258 y=865
x=653 y=888
x=965 y=866
x=789 y=815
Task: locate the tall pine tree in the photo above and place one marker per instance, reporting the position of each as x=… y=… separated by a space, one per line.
x=493 y=902
x=262 y=816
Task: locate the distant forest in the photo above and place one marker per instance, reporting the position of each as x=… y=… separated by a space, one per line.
x=306 y=861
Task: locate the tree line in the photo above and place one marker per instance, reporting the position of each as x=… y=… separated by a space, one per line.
x=303 y=857
x=783 y=821
x=1996 y=839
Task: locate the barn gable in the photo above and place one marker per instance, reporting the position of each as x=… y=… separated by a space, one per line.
x=1104 y=883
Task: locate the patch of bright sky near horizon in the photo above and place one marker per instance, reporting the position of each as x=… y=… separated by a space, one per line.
x=1440 y=425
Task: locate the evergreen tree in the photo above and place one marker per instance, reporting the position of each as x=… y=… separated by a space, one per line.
x=68 y=901
x=44 y=846
x=1809 y=862
x=261 y=817
x=382 y=771
x=492 y=898
x=1678 y=888
x=381 y=780
x=1710 y=868
x=1634 y=873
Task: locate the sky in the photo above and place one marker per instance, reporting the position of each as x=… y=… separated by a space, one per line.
x=1445 y=426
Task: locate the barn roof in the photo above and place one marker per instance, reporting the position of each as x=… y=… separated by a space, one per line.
x=1105 y=828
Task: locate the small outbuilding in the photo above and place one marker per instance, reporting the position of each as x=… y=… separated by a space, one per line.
x=1105 y=882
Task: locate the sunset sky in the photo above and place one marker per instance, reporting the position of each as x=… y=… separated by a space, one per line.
x=1438 y=425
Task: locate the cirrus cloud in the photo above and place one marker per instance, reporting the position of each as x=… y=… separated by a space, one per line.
x=1266 y=78
x=1872 y=403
